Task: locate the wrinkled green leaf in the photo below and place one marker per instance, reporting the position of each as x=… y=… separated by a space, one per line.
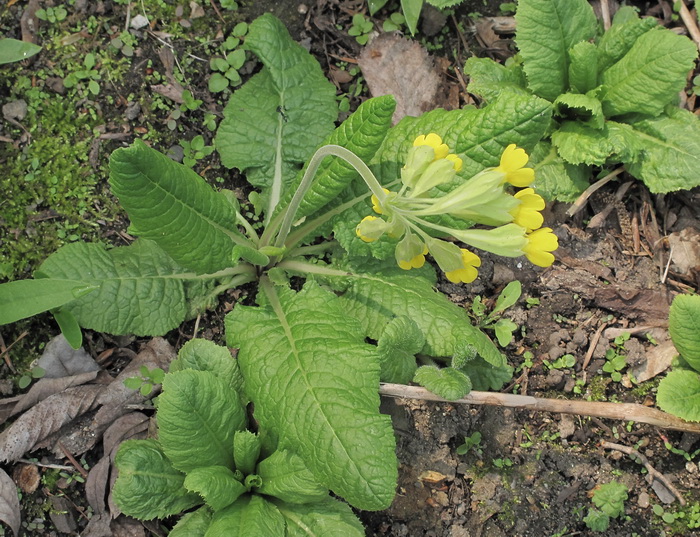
x=141 y=290
x=546 y=30
x=684 y=327
x=250 y=516
x=198 y=415
x=273 y=123
x=618 y=40
x=193 y=224
x=580 y=144
x=610 y=498
x=490 y=79
x=205 y=355
x=321 y=519
x=193 y=524
x=555 y=178
x=447 y=382
x=485 y=376
x=24 y=298
x=13 y=50
x=670 y=160
x=216 y=484
x=583 y=67
x=679 y=394
x=597 y=520
x=585 y=108
x=246 y=449
x=314 y=381
x=148 y=486
x=649 y=76
x=285 y=476
x=397 y=347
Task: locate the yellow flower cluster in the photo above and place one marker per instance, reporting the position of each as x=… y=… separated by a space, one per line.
x=515 y=218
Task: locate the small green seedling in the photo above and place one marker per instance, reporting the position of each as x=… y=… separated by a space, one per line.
x=88 y=75
x=189 y=102
x=226 y=68
x=361 y=28
x=25 y=380
x=503 y=328
x=470 y=442
x=146 y=381
x=195 y=150
x=502 y=464
x=563 y=362
x=52 y=14
x=610 y=501
x=394 y=22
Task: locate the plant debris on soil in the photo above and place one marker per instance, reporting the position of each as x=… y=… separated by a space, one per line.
x=621 y=260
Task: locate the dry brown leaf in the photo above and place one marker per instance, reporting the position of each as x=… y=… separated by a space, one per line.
x=9 y=502
x=126 y=427
x=127 y=527
x=59 y=359
x=46 y=418
x=657 y=360
x=46 y=387
x=171 y=91
x=96 y=485
x=63 y=515
x=393 y=65
x=98 y=526
x=685 y=251
x=27 y=477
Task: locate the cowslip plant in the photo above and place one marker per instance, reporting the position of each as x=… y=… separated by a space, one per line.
x=206 y=457
x=614 y=95
x=679 y=391
x=344 y=296
x=610 y=502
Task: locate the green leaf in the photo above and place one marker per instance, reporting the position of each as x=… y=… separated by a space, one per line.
x=490 y=79
x=141 y=290
x=485 y=376
x=69 y=327
x=198 y=415
x=671 y=157
x=447 y=382
x=585 y=108
x=362 y=133
x=148 y=486
x=246 y=450
x=133 y=383
x=618 y=40
x=610 y=498
x=546 y=31
x=216 y=484
x=556 y=178
x=679 y=394
x=285 y=476
x=315 y=383
x=251 y=255
x=205 y=355
x=597 y=520
x=321 y=519
x=504 y=329
x=193 y=224
x=24 y=298
x=375 y=5
x=684 y=327
x=217 y=83
x=509 y=296
x=649 y=76
x=411 y=10
x=578 y=143
x=193 y=524
x=13 y=50
x=250 y=516
x=397 y=347
x=583 y=69
x=273 y=123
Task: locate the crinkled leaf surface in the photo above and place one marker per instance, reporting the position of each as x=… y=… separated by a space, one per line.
x=148 y=486
x=216 y=484
x=649 y=76
x=23 y=298
x=684 y=326
x=546 y=30
x=141 y=290
x=193 y=524
x=580 y=144
x=321 y=519
x=397 y=347
x=170 y=204
x=198 y=415
x=610 y=498
x=250 y=516
x=679 y=394
x=489 y=79
x=555 y=178
x=670 y=160
x=618 y=40
x=484 y=376
x=314 y=381
x=447 y=382
x=205 y=355
x=273 y=123
x=583 y=67
x=246 y=450
x=586 y=108
x=285 y=476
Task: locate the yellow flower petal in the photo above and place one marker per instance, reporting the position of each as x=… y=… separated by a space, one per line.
x=375 y=202
x=456 y=161
x=512 y=161
x=433 y=140
x=358 y=230
x=468 y=273
x=540 y=244
x=527 y=213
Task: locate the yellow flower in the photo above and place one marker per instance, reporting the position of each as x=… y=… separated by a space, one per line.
x=468 y=273
x=527 y=213
x=512 y=161
x=415 y=262
x=366 y=229
x=539 y=245
x=375 y=202
x=456 y=161
x=434 y=141
x=410 y=252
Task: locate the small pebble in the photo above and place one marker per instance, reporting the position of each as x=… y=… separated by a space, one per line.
x=138 y=22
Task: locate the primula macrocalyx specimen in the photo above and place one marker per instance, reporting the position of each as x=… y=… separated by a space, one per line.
x=540 y=244
x=512 y=165
x=487 y=198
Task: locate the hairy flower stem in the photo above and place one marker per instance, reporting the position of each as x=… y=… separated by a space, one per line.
x=325 y=151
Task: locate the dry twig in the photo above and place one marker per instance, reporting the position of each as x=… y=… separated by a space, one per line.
x=616 y=411
x=689 y=22
x=583 y=198
x=653 y=472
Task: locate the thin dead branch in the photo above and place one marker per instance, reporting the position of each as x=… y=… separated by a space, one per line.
x=583 y=198
x=653 y=472
x=689 y=22
x=617 y=411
